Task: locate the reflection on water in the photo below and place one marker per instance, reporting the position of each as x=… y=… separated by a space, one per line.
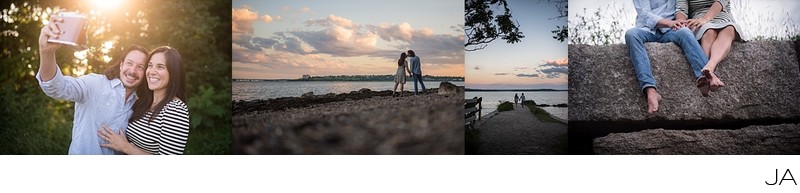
x=276 y=89
x=491 y=100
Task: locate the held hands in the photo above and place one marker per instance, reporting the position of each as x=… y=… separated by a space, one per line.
x=696 y=23
x=116 y=140
x=50 y=30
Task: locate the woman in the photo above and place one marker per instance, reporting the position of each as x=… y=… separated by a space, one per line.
x=714 y=27
x=400 y=74
x=160 y=120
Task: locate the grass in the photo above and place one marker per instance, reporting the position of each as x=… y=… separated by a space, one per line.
x=505 y=106
x=541 y=114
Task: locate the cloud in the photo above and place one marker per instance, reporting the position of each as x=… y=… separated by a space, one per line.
x=242 y=20
x=278 y=18
x=520 y=68
x=500 y=74
x=389 y=32
x=555 y=72
x=339 y=41
x=555 y=68
x=330 y=21
x=266 y=18
x=476 y=67
x=336 y=36
x=285 y=8
x=281 y=59
x=304 y=10
x=528 y=75
x=556 y=63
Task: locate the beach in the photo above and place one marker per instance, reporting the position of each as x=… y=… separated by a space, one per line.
x=359 y=122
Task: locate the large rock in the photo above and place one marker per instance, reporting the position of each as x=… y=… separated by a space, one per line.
x=762 y=78
x=448 y=88
x=775 y=139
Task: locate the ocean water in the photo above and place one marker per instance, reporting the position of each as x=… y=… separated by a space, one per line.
x=491 y=100
x=275 y=89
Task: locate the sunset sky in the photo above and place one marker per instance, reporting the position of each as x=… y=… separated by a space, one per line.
x=286 y=39
x=538 y=62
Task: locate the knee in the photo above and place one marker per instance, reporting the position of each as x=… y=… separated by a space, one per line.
x=685 y=32
x=633 y=34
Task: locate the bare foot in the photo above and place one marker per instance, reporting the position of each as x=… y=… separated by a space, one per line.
x=702 y=84
x=652 y=100
x=714 y=81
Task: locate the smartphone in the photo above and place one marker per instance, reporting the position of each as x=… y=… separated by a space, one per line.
x=73 y=30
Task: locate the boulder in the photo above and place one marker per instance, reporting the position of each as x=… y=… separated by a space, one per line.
x=761 y=77
x=773 y=139
x=448 y=88
x=307 y=95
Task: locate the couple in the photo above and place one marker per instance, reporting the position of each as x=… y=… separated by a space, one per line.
x=119 y=112
x=683 y=22
x=408 y=59
x=521 y=99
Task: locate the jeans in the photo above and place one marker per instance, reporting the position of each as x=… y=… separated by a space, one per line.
x=683 y=37
x=418 y=77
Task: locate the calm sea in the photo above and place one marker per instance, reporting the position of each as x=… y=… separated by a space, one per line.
x=491 y=100
x=276 y=89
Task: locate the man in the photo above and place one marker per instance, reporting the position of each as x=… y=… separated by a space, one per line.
x=655 y=23
x=99 y=99
x=416 y=70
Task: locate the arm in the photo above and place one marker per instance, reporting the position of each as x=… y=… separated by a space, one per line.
x=51 y=80
x=716 y=7
x=651 y=19
x=405 y=66
x=47 y=51
x=175 y=129
x=682 y=10
x=119 y=142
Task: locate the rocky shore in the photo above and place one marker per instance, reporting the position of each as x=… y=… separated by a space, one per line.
x=607 y=111
x=359 y=122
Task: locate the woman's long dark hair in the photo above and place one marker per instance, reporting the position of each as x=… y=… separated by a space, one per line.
x=113 y=71
x=176 y=87
x=402 y=59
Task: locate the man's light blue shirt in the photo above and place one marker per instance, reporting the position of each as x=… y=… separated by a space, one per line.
x=415 y=65
x=98 y=101
x=649 y=12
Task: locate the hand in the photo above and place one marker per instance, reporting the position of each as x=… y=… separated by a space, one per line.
x=696 y=23
x=674 y=25
x=50 y=30
x=682 y=23
x=116 y=140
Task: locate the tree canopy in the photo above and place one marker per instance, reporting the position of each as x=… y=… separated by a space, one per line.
x=482 y=25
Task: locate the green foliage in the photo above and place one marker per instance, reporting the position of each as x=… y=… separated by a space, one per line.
x=482 y=25
x=541 y=114
x=505 y=106
x=588 y=29
x=33 y=123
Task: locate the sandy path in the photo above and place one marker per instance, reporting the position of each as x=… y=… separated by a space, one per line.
x=519 y=132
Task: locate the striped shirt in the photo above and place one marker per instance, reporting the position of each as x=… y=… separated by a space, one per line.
x=694 y=9
x=98 y=101
x=166 y=134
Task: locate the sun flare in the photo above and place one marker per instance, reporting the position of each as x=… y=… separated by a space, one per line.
x=106 y=4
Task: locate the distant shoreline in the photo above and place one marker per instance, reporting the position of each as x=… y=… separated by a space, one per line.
x=296 y=80
x=506 y=90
